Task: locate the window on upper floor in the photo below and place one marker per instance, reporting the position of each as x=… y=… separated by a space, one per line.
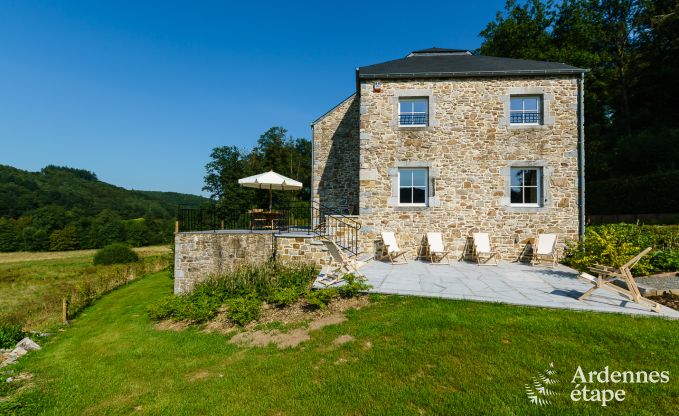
x=412 y=186
x=526 y=187
x=413 y=112
x=525 y=109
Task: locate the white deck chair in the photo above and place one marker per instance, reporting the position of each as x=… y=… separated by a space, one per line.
x=343 y=265
x=545 y=248
x=390 y=248
x=436 y=250
x=483 y=252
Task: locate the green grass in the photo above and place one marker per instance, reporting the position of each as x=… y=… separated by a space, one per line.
x=32 y=285
x=410 y=356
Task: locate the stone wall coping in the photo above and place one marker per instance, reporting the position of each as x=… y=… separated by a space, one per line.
x=228 y=232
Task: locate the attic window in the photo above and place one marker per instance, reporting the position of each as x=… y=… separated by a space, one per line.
x=413 y=112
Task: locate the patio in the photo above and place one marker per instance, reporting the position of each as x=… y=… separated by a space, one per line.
x=512 y=283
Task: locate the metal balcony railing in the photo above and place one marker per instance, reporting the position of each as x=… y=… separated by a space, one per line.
x=524 y=117
x=413 y=119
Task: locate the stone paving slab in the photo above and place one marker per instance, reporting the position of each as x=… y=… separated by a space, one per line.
x=512 y=283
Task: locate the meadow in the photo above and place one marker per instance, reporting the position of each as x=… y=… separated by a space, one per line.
x=405 y=355
x=32 y=285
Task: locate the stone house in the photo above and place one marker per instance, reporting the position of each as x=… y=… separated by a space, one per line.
x=445 y=140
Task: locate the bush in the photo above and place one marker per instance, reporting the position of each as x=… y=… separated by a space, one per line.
x=244 y=310
x=615 y=244
x=116 y=253
x=321 y=298
x=284 y=297
x=192 y=307
x=353 y=286
x=10 y=334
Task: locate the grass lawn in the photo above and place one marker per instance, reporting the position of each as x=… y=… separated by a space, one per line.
x=409 y=356
x=33 y=284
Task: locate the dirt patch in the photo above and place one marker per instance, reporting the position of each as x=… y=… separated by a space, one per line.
x=170 y=325
x=669 y=300
x=198 y=375
x=282 y=340
x=298 y=313
x=343 y=339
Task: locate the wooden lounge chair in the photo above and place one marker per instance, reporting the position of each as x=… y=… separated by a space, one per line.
x=545 y=248
x=436 y=251
x=343 y=265
x=605 y=275
x=483 y=252
x=390 y=248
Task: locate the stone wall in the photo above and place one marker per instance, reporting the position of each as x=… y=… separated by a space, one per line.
x=334 y=181
x=468 y=149
x=297 y=249
x=199 y=255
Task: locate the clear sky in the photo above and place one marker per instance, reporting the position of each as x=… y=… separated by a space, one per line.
x=140 y=91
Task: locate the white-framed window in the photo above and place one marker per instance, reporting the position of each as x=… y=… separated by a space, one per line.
x=413 y=111
x=525 y=109
x=412 y=186
x=526 y=187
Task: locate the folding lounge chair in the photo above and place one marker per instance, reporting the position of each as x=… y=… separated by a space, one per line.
x=483 y=253
x=435 y=249
x=605 y=275
x=545 y=248
x=390 y=248
x=343 y=265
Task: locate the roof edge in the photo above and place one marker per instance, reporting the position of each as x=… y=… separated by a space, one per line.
x=475 y=73
x=332 y=109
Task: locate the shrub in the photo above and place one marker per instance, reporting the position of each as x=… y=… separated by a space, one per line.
x=192 y=307
x=116 y=253
x=615 y=244
x=353 y=286
x=243 y=310
x=284 y=297
x=321 y=298
x=10 y=334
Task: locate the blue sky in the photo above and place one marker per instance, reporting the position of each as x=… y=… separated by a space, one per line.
x=140 y=91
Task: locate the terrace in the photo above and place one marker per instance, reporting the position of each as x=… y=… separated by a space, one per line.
x=511 y=283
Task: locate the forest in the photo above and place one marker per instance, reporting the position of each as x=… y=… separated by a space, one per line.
x=62 y=208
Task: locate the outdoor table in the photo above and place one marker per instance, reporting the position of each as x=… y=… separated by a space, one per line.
x=268 y=219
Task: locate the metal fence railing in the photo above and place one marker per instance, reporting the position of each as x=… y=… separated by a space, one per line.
x=313 y=218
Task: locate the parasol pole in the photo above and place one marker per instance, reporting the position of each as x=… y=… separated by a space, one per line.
x=270 y=197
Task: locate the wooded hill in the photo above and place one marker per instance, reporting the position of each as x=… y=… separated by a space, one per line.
x=61 y=208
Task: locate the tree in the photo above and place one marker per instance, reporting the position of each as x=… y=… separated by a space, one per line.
x=9 y=240
x=274 y=151
x=66 y=239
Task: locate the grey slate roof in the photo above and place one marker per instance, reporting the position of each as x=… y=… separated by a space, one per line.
x=444 y=63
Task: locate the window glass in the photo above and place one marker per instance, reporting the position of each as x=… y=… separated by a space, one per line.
x=525 y=110
x=413 y=186
x=413 y=112
x=525 y=186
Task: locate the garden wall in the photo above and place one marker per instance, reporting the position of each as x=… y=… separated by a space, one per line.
x=199 y=255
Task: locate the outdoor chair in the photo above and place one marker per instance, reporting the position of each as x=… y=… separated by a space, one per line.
x=343 y=265
x=390 y=248
x=545 y=248
x=436 y=250
x=606 y=275
x=483 y=252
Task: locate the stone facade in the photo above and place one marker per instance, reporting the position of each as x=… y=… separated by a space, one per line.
x=468 y=148
x=335 y=173
x=199 y=255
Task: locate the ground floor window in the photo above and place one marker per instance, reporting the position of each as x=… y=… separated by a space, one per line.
x=413 y=186
x=526 y=187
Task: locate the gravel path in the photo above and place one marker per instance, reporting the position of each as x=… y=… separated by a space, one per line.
x=659 y=282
